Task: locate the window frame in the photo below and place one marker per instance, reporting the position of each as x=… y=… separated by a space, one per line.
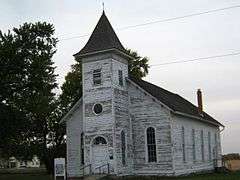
x=94 y=105
x=193 y=145
x=120 y=77
x=147 y=145
x=202 y=145
x=183 y=144
x=97 y=76
x=209 y=146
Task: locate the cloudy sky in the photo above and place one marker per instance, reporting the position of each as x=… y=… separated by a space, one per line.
x=205 y=35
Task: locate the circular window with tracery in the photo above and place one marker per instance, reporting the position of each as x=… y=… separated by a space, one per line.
x=97 y=108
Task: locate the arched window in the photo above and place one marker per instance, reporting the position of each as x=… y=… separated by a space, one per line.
x=123 y=141
x=99 y=140
x=151 y=145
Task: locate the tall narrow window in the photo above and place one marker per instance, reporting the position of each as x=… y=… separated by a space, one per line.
x=123 y=139
x=209 y=146
x=120 y=77
x=202 y=145
x=183 y=144
x=97 y=78
x=151 y=145
x=82 y=149
x=216 y=146
x=193 y=145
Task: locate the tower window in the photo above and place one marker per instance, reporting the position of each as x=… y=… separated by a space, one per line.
x=120 y=77
x=151 y=145
x=97 y=77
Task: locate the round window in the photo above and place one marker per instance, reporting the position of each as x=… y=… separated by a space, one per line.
x=97 y=108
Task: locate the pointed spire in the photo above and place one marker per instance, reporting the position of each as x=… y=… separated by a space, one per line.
x=103 y=38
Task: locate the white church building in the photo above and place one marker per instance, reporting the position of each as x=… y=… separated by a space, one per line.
x=127 y=126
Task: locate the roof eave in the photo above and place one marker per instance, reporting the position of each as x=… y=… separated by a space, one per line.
x=71 y=111
x=80 y=56
x=196 y=117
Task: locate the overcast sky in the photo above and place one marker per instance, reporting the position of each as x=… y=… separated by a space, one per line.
x=183 y=39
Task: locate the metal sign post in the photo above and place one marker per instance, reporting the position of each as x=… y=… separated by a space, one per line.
x=59 y=168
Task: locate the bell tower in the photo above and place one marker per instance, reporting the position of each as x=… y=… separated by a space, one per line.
x=106 y=119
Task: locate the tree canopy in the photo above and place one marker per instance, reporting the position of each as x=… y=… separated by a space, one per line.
x=27 y=86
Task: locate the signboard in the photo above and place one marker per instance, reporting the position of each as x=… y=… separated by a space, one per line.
x=59 y=168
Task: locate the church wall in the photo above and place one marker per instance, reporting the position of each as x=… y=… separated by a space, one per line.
x=190 y=165
x=122 y=118
x=74 y=130
x=146 y=112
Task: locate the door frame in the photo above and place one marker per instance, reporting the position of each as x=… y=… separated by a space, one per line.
x=91 y=148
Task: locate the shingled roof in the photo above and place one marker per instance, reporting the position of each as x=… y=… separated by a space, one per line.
x=102 y=38
x=173 y=101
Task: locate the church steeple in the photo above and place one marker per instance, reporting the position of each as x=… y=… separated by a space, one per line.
x=103 y=38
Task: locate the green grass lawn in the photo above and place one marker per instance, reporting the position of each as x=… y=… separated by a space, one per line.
x=212 y=176
x=220 y=176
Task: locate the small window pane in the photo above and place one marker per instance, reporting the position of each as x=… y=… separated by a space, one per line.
x=97 y=79
x=151 y=145
x=120 y=77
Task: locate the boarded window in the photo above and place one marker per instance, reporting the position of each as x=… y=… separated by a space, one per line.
x=97 y=77
x=123 y=140
x=209 y=146
x=151 y=145
x=120 y=77
x=202 y=145
x=193 y=145
x=183 y=145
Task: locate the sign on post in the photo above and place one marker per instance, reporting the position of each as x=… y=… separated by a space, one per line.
x=59 y=168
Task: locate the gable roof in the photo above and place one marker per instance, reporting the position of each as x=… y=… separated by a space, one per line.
x=102 y=38
x=71 y=111
x=173 y=101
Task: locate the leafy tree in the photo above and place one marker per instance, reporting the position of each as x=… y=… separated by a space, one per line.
x=28 y=81
x=138 y=67
x=72 y=87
